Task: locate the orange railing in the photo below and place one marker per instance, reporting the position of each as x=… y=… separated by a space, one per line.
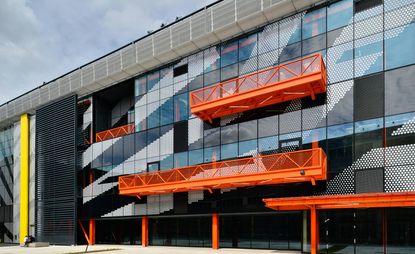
x=299 y=166
x=116 y=132
x=296 y=79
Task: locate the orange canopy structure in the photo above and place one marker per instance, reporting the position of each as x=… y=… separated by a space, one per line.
x=298 y=166
x=115 y=132
x=350 y=201
x=367 y=200
x=300 y=78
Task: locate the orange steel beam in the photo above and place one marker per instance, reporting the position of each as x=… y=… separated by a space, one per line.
x=144 y=231
x=215 y=231
x=367 y=200
x=115 y=132
x=84 y=231
x=298 y=166
x=300 y=78
x=91 y=231
x=314 y=230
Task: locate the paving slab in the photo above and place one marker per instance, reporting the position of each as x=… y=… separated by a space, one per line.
x=118 y=249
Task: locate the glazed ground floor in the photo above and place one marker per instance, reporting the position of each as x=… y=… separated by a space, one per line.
x=377 y=230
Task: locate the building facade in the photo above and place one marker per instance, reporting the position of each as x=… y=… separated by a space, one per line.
x=238 y=126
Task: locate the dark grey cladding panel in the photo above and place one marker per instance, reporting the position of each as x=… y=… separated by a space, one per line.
x=369 y=97
x=56 y=172
x=369 y=180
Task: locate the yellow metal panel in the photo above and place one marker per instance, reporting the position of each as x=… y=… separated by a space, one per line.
x=24 y=176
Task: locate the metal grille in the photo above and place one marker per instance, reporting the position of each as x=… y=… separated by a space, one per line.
x=56 y=172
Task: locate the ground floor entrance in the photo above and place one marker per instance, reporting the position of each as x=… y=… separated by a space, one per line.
x=343 y=231
x=361 y=231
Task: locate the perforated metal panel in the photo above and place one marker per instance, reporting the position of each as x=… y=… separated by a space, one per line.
x=369 y=180
x=114 y=63
x=162 y=42
x=144 y=49
x=223 y=14
x=180 y=33
x=128 y=56
x=56 y=172
x=369 y=97
x=245 y=8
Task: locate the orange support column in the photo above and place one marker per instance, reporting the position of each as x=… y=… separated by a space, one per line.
x=144 y=231
x=92 y=231
x=314 y=230
x=215 y=231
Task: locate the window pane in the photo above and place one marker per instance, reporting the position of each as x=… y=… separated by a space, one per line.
x=196 y=157
x=400 y=46
x=290 y=30
x=229 y=134
x=340 y=146
x=340 y=63
x=229 y=72
x=117 y=151
x=248 y=130
x=248 y=47
x=153 y=166
x=398 y=133
x=340 y=110
x=180 y=160
x=212 y=154
x=314 y=44
x=140 y=86
x=268 y=144
x=368 y=135
x=166 y=77
x=140 y=118
x=167 y=163
x=166 y=112
x=229 y=151
x=268 y=126
x=268 y=38
x=399 y=90
x=181 y=107
x=314 y=23
x=212 y=137
x=339 y=14
x=129 y=147
x=229 y=53
x=153 y=111
x=316 y=136
x=369 y=55
x=211 y=59
x=290 y=52
x=153 y=81
x=195 y=83
x=212 y=77
x=247 y=148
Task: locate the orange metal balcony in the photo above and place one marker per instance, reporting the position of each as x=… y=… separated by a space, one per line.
x=116 y=132
x=299 y=166
x=300 y=78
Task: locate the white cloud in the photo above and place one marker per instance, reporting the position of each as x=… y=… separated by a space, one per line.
x=43 y=39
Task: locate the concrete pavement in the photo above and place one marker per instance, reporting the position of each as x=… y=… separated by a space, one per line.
x=128 y=249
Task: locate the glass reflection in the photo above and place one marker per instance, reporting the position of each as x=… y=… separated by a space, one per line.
x=314 y=23
x=400 y=46
x=339 y=14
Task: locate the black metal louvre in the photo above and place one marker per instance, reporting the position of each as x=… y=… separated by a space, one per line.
x=56 y=172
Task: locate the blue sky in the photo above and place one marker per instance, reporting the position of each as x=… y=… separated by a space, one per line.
x=43 y=39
